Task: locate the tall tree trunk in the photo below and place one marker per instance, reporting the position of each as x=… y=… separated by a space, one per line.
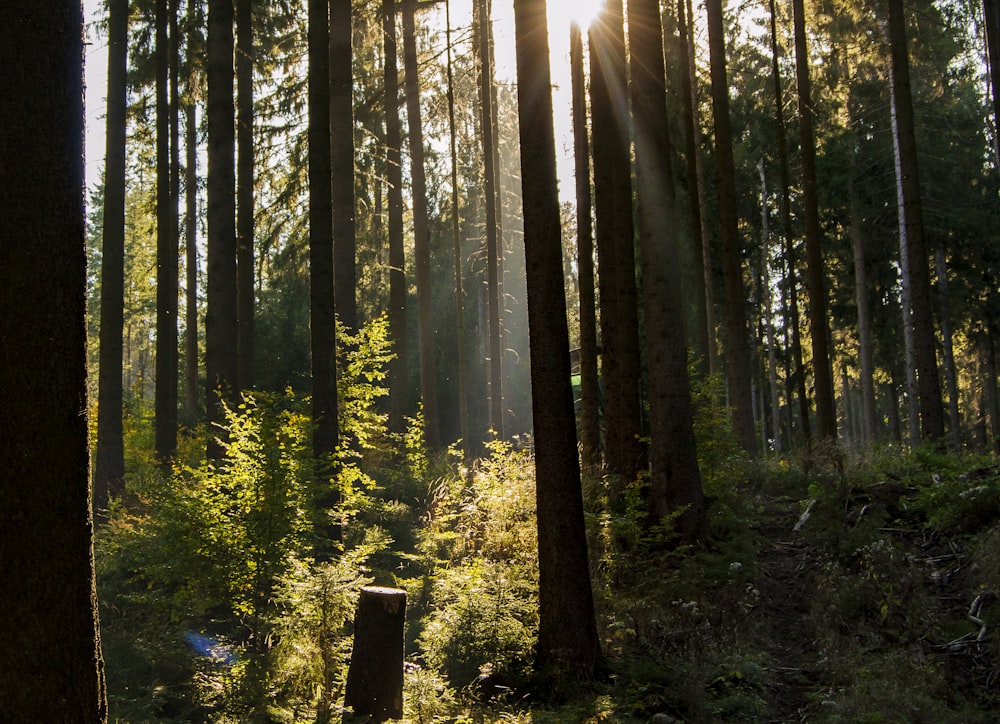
x=221 y=318
x=869 y=424
x=244 y=194
x=791 y=277
x=326 y=431
x=616 y=244
x=166 y=254
x=911 y=216
x=590 y=409
x=191 y=395
x=109 y=470
x=421 y=228
x=675 y=479
x=456 y=232
x=492 y=231
x=342 y=162
x=51 y=654
x=567 y=633
x=398 y=386
x=944 y=308
x=992 y=16
x=704 y=328
x=738 y=343
x=768 y=297
x=826 y=415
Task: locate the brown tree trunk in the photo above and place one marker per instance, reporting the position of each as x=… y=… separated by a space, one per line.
x=109 y=470
x=911 y=214
x=590 y=409
x=868 y=412
x=191 y=394
x=221 y=318
x=738 y=343
x=421 y=229
x=51 y=654
x=375 y=678
x=568 y=646
x=342 y=162
x=944 y=310
x=675 y=479
x=826 y=415
x=244 y=195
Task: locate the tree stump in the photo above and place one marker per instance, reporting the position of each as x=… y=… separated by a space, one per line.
x=375 y=679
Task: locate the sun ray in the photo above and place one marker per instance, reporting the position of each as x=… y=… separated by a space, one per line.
x=562 y=13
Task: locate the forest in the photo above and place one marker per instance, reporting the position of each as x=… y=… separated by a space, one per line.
x=646 y=348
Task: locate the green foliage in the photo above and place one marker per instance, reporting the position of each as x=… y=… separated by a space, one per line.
x=719 y=455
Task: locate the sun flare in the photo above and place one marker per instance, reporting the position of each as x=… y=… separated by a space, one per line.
x=582 y=12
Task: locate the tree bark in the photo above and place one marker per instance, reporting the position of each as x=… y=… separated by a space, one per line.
x=109 y=470
x=221 y=318
x=911 y=217
x=590 y=407
x=992 y=17
x=191 y=230
x=245 y=195
x=51 y=655
x=568 y=646
x=768 y=321
x=948 y=348
x=421 y=229
x=826 y=415
x=869 y=424
x=342 y=162
x=375 y=678
x=675 y=479
x=738 y=343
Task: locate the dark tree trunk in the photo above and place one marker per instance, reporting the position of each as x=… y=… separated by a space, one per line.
x=928 y=382
x=191 y=394
x=791 y=277
x=948 y=348
x=342 y=162
x=590 y=403
x=109 y=470
x=398 y=387
x=567 y=633
x=675 y=479
x=992 y=17
x=868 y=413
x=704 y=328
x=166 y=254
x=51 y=653
x=326 y=431
x=244 y=194
x=221 y=318
x=616 y=245
x=738 y=343
x=489 y=126
x=421 y=228
x=826 y=416
x=463 y=404
x=375 y=679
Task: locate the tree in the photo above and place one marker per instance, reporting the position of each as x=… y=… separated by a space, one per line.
x=737 y=343
x=421 y=228
x=826 y=416
x=191 y=395
x=912 y=230
x=567 y=632
x=109 y=469
x=244 y=195
x=51 y=657
x=221 y=339
x=675 y=480
x=342 y=163
x=590 y=406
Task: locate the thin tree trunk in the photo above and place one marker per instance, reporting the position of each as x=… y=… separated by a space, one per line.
x=738 y=344
x=911 y=217
x=109 y=471
x=492 y=211
x=166 y=253
x=826 y=415
x=342 y=160
x=675 y=479
x=951 y=376
x=51 y=654
x=221 y=319
x=568 y=645
x=398 y=386
x=421 y=229
x=992 y=18
x=463 y=404
x=244 y=195
x=191 y=394
x=791 y=299
x=772 y=352
x=590 y=430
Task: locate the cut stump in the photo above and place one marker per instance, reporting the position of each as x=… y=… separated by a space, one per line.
x=375 y=678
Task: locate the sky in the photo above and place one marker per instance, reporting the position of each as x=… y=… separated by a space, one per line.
x=561 y=12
